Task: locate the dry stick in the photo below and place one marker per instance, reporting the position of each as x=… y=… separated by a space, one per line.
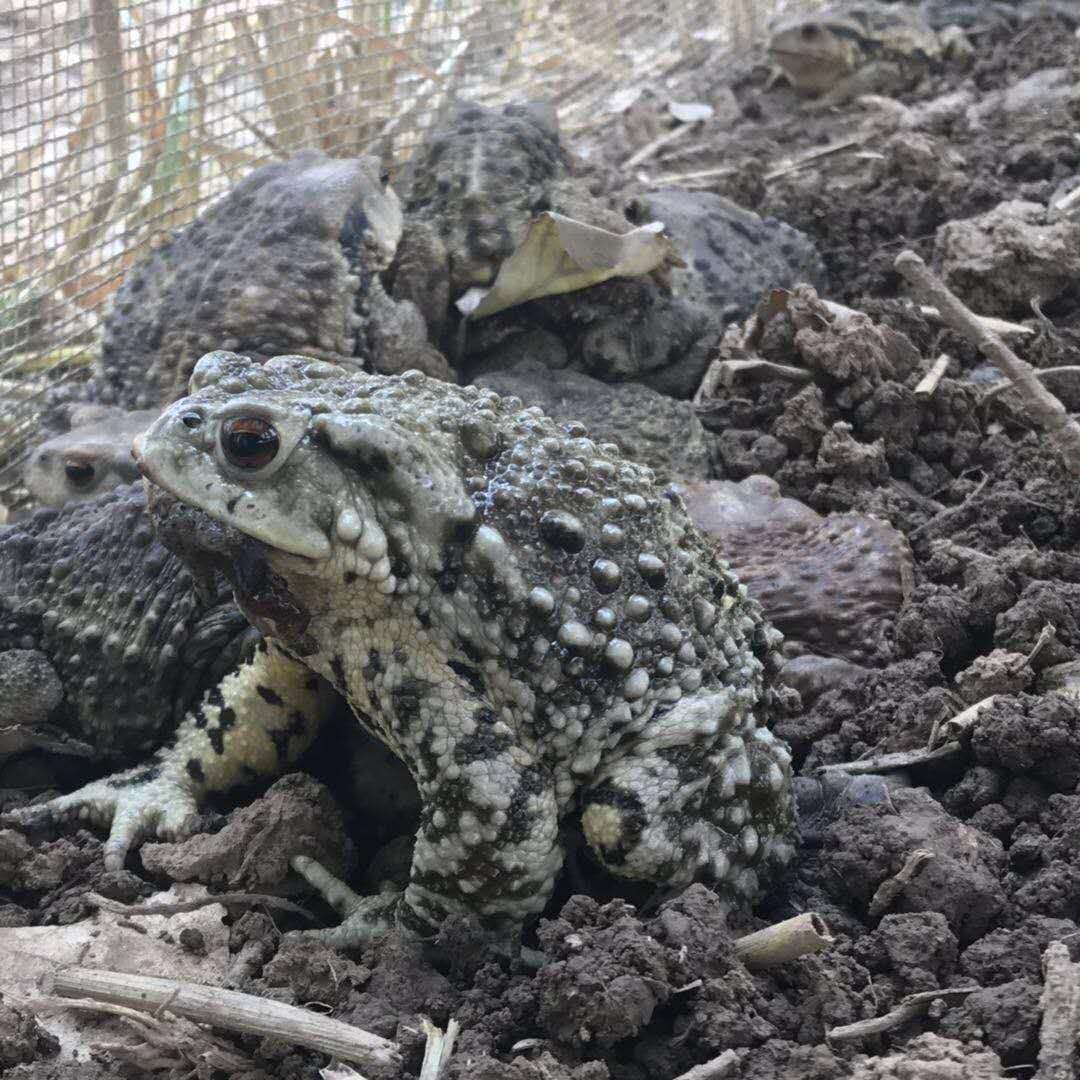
x=988 y=322
x=788 y=940
x=959 y=727
x=230 y=1009
x=911 y=1008
x=901 y=759
x=1040 y=373
x=712 y=1070
x=1043 y=407
x=665 y=139
x=1060 y=1003
x=814 y=155
x=892 y=887
x=1067 y=202
x=438 y=1049
x=929 y=382
x=178 y=908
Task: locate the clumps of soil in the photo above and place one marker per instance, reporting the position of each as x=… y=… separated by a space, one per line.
x=990 y=523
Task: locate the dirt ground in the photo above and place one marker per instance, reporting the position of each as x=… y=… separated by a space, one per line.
x=634 y=986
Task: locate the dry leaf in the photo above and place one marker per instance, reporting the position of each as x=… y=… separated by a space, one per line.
x=560 y=255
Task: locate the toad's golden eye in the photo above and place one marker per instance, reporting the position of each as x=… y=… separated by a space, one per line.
x=249 y=442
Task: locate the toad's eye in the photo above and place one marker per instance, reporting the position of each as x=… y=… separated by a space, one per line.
x=810 y=31
x=249 y=442
x=79 y=473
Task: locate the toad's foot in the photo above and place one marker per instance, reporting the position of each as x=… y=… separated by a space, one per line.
x=132 y=805
x=364 y=918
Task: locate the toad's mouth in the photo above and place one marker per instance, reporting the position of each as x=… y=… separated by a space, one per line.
x=208 y=547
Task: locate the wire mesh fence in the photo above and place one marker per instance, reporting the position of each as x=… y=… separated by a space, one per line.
x=121 y=119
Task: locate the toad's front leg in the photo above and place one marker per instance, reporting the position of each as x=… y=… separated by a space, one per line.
x=488 y=839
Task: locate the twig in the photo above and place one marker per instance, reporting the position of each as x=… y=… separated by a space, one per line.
x=662 y=140
x=1047 y=636
x=901 y=759
x=1067 y=202
x=910 y=1008
x=438 y=1049
x=929 y=382
x=1042 y=406
x=988 y=322
x=232 y=1010
x=958 y=728
x=247 y=899
x=812 y=156
x=1040 y=373
x=892 y=887
x=712 y=1070
x=784 y=941
x=1060 y=1003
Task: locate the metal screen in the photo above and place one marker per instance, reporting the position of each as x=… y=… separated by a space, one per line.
x=121 y=119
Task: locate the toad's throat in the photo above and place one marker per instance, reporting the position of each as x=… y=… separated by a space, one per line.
x=207 y=546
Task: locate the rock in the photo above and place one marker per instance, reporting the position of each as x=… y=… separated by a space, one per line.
x=998 y=262
x=831 y=585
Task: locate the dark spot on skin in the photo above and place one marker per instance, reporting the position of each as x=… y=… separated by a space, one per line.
x=227 y=719
x=338 y=668
x=405 y=700
x=217 y=739
x=280 y=739
x=484 y=743
x=231 y=504
x=350 y=577
x=399 y=567
x=462 y=532
x=144 y=776
x=423 y=617
x=399 y=655
x=195 y=770
x=213 y=697
x=268 y=695
x=200 y=717
x=447 y=579
x=519 y=822
x=469 y=674
x=562 y=530
x=470 y=650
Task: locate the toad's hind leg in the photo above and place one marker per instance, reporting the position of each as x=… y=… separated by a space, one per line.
x=685 y=802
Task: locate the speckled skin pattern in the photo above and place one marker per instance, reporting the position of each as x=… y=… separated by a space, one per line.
x=523 y=616
x=851 y=49
x=86 y=461
x=285 y=260
x=834 y=585
x=138 y=643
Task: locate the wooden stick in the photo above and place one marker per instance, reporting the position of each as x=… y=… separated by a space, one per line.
x=901 y=759
x=712 y=1070
x=803 y=935
x=959 y=727
x=912 y=1007
x=230 y=1009
x=998 y=326
x=892 y=887
x=662 y=140
x=181 y=906
x=1042 y=406
x=1060 y=1003
x=1067 y=202
x=438 y=1048
x=929 y=382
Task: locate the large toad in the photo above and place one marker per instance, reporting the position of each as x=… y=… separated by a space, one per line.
x=531 y=624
